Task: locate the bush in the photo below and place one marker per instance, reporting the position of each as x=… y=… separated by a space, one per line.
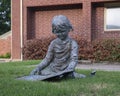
x=106 y=50
x=100 y=50
x=36 y=48
x=85 y=49
x=7 y=55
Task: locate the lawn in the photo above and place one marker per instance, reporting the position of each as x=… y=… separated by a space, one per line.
x=103 y=84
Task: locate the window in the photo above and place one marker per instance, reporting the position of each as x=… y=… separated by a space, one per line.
x=112 y=18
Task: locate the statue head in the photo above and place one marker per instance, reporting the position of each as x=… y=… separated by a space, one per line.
x=61 y=26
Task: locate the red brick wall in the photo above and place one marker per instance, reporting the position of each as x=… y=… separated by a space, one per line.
x=32 y=3
x=98 y=31
x=86 y=22
x=5 y=45
x=43 y=21
x=28 y=29
x=37 y=15
x=38 y=23
x=16 y=48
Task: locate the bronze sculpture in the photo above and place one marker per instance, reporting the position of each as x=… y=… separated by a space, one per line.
x=62 y=56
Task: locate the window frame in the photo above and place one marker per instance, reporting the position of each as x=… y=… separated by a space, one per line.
x=105 y=20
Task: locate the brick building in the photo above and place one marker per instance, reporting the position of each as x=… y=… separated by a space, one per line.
x=5 y=43
x=32 y=19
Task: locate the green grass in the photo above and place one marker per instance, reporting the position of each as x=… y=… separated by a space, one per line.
x=103 y=84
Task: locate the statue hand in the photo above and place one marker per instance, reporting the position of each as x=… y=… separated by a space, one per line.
x=35 y=71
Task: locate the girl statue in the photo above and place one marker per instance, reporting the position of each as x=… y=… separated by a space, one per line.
x=62 y=54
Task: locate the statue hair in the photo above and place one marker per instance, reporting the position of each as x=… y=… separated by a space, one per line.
x=61 y=23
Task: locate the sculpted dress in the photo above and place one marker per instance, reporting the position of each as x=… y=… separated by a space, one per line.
x=60 y=61
x=61 y=55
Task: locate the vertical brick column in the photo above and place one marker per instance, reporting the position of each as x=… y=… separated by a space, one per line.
x=16 y=49
x=87 y=19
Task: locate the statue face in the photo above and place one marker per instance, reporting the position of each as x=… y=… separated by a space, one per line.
x=62 y=35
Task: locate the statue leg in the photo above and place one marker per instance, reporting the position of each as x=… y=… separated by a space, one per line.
x=77 y=75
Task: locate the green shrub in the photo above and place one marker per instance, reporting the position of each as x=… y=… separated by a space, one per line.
x=7 y=55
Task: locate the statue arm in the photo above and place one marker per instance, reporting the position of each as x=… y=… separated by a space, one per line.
x=49 y=56
x=74 y=56
x=45 y=62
